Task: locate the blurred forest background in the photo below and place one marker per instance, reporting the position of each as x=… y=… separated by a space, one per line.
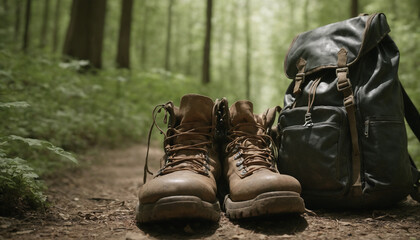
x=75 y=74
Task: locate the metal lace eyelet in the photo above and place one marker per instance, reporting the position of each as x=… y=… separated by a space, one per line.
x=237 y=155
x=236 y=148
x=244 y=171
x=206 y=166
x=239 y=163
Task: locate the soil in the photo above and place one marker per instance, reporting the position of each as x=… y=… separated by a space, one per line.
x=98 y=201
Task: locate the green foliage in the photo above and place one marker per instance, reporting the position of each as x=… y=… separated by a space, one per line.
x=19 y=186
x=39 y=144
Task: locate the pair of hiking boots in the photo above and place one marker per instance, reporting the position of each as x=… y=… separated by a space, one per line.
x=212 y=151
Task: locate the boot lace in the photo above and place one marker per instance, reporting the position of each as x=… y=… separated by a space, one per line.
x=251 y=151
x=198 y=162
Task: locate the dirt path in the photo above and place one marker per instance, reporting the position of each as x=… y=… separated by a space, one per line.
x=98 y=202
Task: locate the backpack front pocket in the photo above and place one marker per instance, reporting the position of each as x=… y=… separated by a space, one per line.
x=319 y=156
x=385 y=157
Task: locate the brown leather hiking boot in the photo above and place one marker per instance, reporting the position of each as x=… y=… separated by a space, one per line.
x=255 y=185
x=185 y=186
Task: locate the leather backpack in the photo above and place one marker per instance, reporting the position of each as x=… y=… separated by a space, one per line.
x=342 y=132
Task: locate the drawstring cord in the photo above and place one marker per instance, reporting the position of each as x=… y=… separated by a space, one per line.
x=311 y=100
x=156 y=111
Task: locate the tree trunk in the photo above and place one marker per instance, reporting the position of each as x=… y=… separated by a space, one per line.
x=248 y=50
x=123 y=55
x=144 y=35
x=56 y=25
x=27 y=21
x=84 y=37
x=207 y=44
x=232 y=61
x=6 y=5
x=221 y=42
x=190 y=22
x=17 y=20
x=44 y=27
x=168 y=37
x=354 y=8
x=177 y=28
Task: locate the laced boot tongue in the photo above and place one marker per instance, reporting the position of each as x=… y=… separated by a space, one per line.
x=241 y=112
x=245 y=123
x=190 y=135
x=195 y=114
x=244 y=120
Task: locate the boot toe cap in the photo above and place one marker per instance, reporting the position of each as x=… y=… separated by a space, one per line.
x=262 y=182
x=182 y=183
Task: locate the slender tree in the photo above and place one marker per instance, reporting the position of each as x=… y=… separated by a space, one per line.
x=56 y=24
x=176 y=43
x=44 y=26
x=248 y=50
x=207 y=44
x=354 y=8
x=84 y=37
x=27 y=22
x=6 y=5
x=221 y=40
x=123 y=55
x=168 y=37
x=234 y=33
x=144 y=35
x=17 y=19
x=190 y=22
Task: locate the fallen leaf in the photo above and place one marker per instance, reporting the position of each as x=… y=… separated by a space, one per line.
x=24 y=232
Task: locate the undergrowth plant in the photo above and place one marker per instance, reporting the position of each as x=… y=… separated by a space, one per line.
x=20 y=186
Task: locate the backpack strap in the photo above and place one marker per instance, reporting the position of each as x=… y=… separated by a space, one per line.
x=300 y=76
x=413 y=119
x=344 y=86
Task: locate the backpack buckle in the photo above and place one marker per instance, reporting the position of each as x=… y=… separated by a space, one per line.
x=348 y=101
x=343 y=84
x=343 y=69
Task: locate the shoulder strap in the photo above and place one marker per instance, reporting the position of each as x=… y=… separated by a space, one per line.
x=413 y=119
x=411 y=114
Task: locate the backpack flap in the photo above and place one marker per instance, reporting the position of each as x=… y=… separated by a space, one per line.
x=317 y=50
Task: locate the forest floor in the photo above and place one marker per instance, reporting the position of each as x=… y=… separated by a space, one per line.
x=98 y=201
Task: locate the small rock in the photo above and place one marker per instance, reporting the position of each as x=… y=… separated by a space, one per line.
x=346 y=224
x=4 y=226
x=238 y=236
x=67 y=224
x=64 y=216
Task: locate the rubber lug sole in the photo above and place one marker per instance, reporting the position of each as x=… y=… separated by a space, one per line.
x=178 y=207
x=265 y=204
